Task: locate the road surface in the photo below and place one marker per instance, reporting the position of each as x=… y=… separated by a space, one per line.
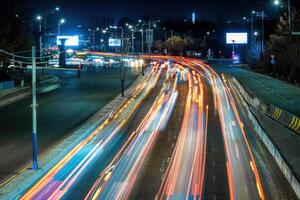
x=109 y=163
x=67 y=174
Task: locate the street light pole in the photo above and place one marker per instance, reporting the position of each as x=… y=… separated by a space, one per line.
x=252 y=27
x=39 y=18
x=122 y=64
x=149 y=37
x=132 y=41
x=262 y=30
x=290 y=17
x=142 y=32
x=58 y=29
x=34 y=118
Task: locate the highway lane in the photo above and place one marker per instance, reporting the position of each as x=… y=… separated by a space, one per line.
x=149 y=182
x=69 y=171
x=185 y=173
x=244 y=178
x=119 y=178
x=59 y=112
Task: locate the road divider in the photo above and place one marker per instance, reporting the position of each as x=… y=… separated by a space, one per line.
x=281 y=116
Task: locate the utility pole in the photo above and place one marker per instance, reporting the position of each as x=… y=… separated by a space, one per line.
x=122 y=72
x=40 y=40
x=142 y=32
x=132 y=41
x=149 y=37
x=34 y=118
x=262 y=30
x=252 y=29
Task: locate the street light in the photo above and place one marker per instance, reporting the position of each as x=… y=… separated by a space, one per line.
x=252 y=26
x=39 y=19
x=57 y=8
x=60 y=22
x=276 y=2
x=256 y=35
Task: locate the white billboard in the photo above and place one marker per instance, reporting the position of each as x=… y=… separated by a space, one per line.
x=70 y=40
x=236 y=38
x=114 y=42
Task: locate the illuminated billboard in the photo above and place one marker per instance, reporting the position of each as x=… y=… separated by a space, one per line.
x=236 y=38
x=114 y=42
x=70 y=40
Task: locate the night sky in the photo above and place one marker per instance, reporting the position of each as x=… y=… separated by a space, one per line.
x=82 y=11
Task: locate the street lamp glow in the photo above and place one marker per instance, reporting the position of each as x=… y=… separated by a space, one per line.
x=253 y=12
x=140 y=20
x=276 y=2
x=39 y=17
x=103 y=31
x=62 y=21
x=256 y=33
x=57 y=9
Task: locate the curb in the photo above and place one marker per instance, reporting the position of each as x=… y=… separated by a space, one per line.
x=279 y=115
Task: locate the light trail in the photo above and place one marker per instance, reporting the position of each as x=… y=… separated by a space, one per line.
x=118 y=180
x=185 y=173
x=243 y=177
x=65 y=173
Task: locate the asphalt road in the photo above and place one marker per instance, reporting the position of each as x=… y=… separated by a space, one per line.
x=149 y=182
x=59 y=112
x=216 y=154
x=73 y=176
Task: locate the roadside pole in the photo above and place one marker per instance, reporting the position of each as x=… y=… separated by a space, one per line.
x=122 y=72
x=142 y=32
x=34 y=120
x=262 y=31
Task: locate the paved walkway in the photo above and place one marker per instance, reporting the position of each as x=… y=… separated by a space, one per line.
x=267 y=89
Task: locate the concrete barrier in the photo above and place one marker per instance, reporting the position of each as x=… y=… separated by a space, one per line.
x=280 y=115
x=271 y=146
